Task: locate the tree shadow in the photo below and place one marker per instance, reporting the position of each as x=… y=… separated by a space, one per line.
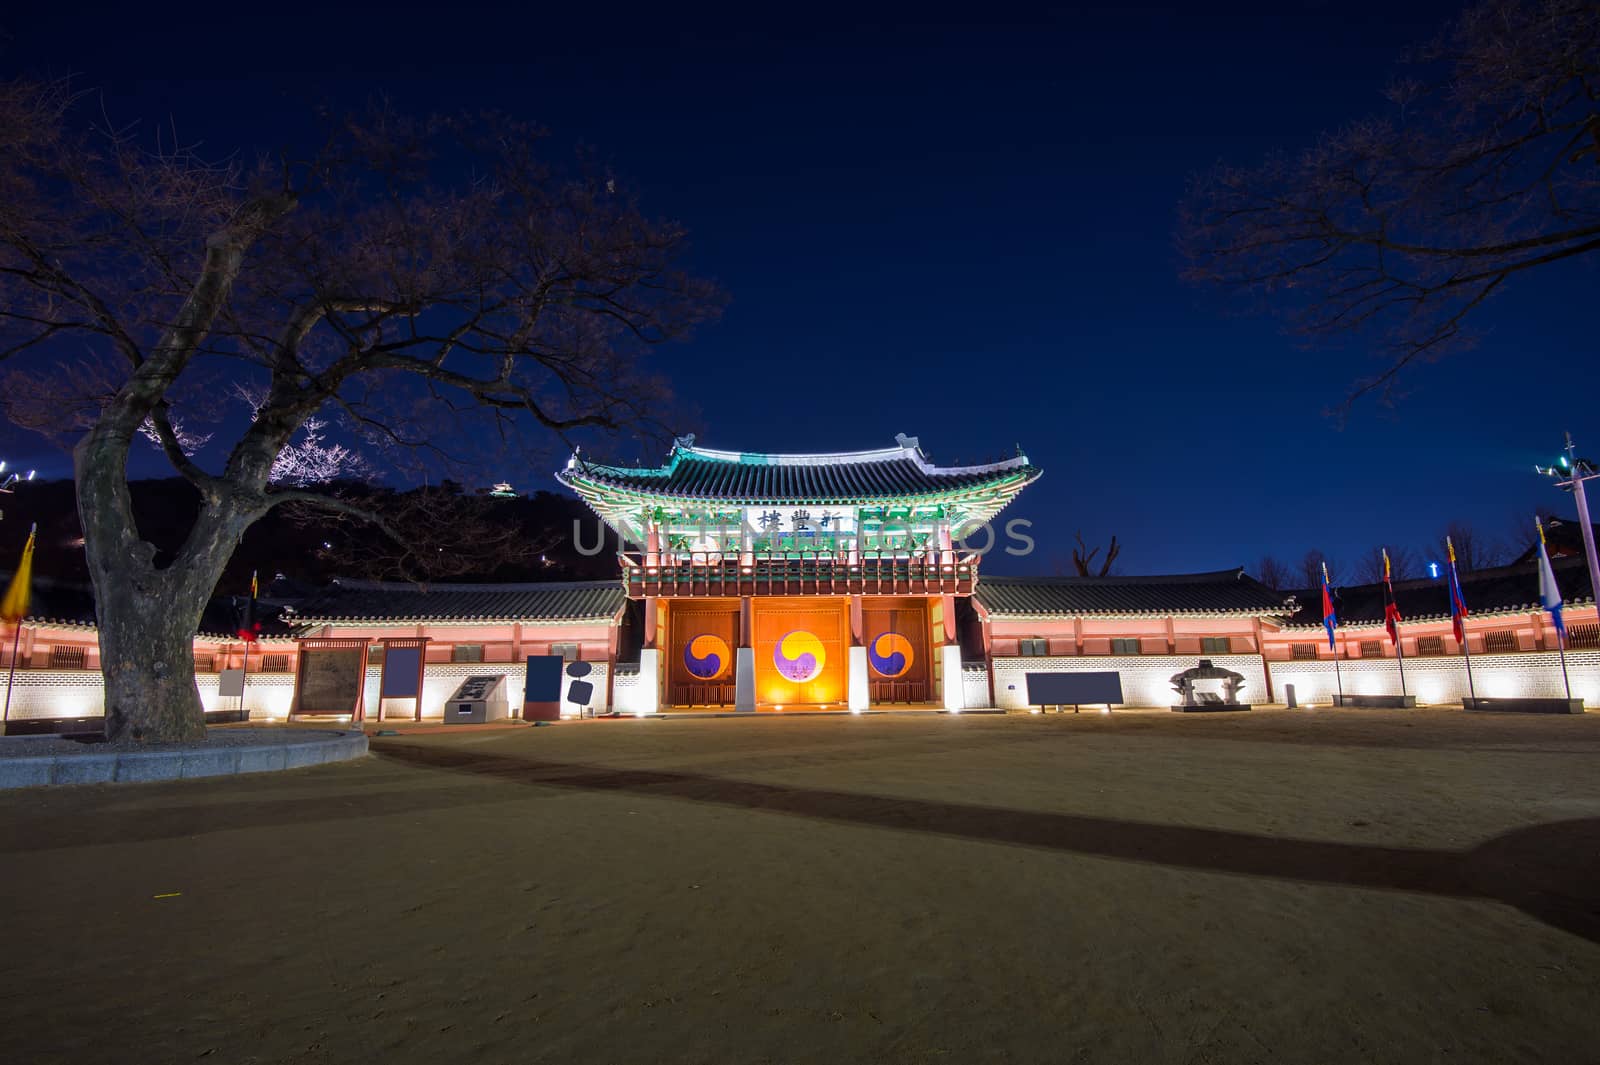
x=1549 y=871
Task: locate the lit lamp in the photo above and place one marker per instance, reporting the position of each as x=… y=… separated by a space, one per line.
x=1569 y=473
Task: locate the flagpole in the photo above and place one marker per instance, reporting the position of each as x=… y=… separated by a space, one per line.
x=247 y=632
x=1400 y=658
x=244 y=679
x=1545 y=574
x=1391 y=603
x=1334 y=644
x=1338 y=678
x=15 y=610
x=1561 y=647
x=1466 y=652
x=10 y=678
x=1471 y=691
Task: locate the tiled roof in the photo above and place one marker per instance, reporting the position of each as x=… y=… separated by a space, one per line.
x=1501 y=590
x=65 y=605
x=347 y=600
x=1224 y=592
x=752 y=478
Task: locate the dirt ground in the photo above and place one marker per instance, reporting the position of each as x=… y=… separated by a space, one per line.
x=1316 y=887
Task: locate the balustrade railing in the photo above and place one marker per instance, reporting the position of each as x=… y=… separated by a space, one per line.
x=719 y=573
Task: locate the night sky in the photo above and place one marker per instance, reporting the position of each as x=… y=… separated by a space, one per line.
x=958 y=231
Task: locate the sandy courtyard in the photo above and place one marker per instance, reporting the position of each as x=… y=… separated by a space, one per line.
x=1265 y=887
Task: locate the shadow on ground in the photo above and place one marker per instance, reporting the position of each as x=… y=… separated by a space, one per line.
x=1550 y=871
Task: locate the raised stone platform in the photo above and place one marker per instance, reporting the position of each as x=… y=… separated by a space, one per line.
x=1209 y=708
x=35 y=761
x=1377 y=702
x=1523 y=706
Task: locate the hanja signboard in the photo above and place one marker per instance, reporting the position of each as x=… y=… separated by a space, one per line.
x=800 y=520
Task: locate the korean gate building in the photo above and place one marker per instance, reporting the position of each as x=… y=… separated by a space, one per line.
x=835 y=582
x=821 y=581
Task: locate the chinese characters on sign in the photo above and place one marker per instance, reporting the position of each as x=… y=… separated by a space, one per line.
x=771 y=521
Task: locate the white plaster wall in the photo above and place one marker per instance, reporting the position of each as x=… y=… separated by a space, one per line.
x=975 y=686
x=53 y=693
x=50 y=693
x=632 y=690
x=1145 y=678
x=1444 y=680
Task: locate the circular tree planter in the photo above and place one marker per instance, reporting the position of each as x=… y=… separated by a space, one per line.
x=35 y=761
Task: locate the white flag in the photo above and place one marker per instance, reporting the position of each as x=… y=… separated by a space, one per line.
x=1549 y=594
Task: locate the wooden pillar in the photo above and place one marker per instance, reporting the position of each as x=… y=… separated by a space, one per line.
x=746 y=622
x=652 y=542
x=856 y=630
x=649 y=634
x=613 y=643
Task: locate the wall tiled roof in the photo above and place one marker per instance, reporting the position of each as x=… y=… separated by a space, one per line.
x=347 y=600
x=747 y=478
x=66 y=605
x=1501 y=590
x=1224 y=592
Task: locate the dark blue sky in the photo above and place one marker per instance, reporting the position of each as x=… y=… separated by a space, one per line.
x=954 y=230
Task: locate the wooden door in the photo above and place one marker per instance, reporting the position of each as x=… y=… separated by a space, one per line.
x=800 y=651
x=895 y=633
x=703 y=636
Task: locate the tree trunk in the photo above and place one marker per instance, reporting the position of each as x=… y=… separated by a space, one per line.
x=147 y=616
x=147 y=657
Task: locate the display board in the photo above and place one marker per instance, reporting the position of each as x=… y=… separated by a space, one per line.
x=402 y=672
x=1074 y=689
x=230 y=684
x=331 y=678
x=541 y=696
x=580 y=690
x=404 y=658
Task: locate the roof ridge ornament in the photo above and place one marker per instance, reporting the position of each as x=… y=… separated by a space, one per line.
x=909 y=443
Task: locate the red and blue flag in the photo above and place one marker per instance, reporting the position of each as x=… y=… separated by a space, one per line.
x=1458 y=605
x=1330 y=620
x=1391 y=609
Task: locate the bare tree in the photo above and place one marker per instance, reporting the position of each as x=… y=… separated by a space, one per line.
x=1311 y=567
x=442 y=534
x=1474 y=550
x=1403 y=565
x=1520 y=535
x=1083 y=557
x=1486 y=166
x=1272 y=572
x=406 y=286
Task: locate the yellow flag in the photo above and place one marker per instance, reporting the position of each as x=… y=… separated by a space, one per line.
x=15 y=605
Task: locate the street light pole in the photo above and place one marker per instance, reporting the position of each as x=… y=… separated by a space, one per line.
x=1577 y=471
